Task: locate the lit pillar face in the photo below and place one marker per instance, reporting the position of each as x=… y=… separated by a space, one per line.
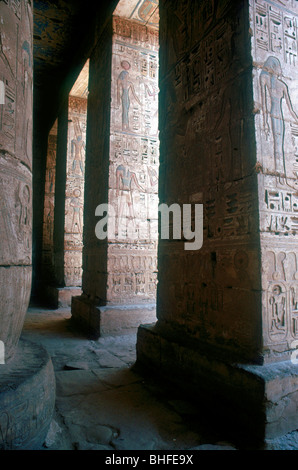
x=134 y=163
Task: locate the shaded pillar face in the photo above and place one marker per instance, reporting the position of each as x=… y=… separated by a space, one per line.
x=74 y=203
x=16 y=62
x=274 y=51
x=208 y=157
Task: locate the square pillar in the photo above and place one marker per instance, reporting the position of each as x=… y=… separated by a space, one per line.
x=226 y=313
x=120 y=271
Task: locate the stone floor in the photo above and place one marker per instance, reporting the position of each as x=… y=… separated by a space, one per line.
x=103 y=404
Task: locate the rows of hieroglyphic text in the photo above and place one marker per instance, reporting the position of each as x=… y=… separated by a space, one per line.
x=134 y=160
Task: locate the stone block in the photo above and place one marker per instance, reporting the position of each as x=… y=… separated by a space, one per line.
x=111 y=320
x=257 y=402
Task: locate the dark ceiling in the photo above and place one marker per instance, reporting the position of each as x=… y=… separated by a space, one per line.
x=63 y=40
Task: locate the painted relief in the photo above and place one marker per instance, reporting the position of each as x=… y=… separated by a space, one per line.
x=124 y=87
x=273 y=88
x=74 y=201
x=281 y=276
x=134 y=161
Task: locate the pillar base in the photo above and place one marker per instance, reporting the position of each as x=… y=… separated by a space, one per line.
x=253 y=402
x=110 y=320
x=60 y=297
x=27 y=398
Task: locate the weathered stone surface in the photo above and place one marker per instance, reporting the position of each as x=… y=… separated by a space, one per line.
x=27 y=398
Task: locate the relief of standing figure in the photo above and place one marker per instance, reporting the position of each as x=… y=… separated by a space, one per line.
x=124 y=86
x=273 y=87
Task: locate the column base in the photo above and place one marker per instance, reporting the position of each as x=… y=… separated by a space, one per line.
x=27 y=398
x=110 y=320
x=60 y=297
x=252 y=402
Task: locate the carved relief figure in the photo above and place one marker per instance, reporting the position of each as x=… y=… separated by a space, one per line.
x=75 y=202
x=24 y=222
x=78 y=154
x=124 y=181
x=273 y=87
x=124 y=86
x=277 y=302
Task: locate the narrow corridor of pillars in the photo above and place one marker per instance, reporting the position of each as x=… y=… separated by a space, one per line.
x=64 y=198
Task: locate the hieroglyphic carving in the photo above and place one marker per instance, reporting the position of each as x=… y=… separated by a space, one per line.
x=74 y=201
x=281 y=212
x=276 y=31
x=281 y=271
x=15 y=169
x=276 y=90
x=134 y=161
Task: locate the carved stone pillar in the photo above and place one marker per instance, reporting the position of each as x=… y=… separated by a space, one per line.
x=227 y=313
x=16 y=68
x=27 y=381
x=119 y=272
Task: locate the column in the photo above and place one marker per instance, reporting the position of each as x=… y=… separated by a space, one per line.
x=223 y=311
x=120 y=271
x=27 y=380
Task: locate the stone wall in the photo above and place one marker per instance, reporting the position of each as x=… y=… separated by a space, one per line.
x=274 y=51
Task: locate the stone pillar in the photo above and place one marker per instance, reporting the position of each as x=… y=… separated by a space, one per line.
x=16 y=169
x=226 y=312
x=27 y=391
x=48 y=264
x=119 y=278
x=63 y=215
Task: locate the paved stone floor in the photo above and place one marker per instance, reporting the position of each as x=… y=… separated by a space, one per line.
x=103 y=404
